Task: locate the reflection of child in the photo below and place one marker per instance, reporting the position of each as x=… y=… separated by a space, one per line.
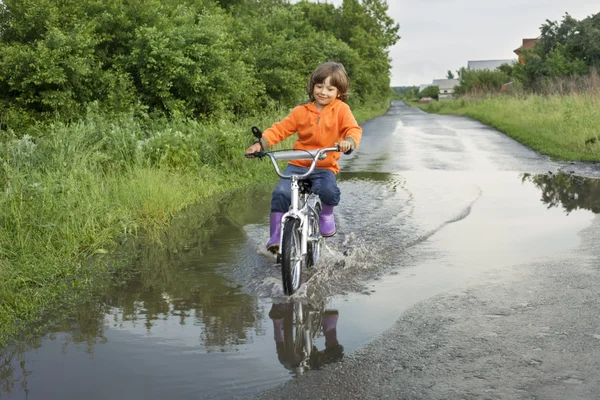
x=330 y=318
x=286 y=352
x=289 y=355
x=334 y=351
x=323 y=122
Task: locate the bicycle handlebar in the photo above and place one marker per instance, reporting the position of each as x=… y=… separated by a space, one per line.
x=315 y=155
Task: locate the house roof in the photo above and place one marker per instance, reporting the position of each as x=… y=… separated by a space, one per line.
x=445 y=83
x=491 y=65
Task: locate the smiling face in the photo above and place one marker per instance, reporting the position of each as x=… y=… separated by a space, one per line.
x=328 y=81
x=324 y=93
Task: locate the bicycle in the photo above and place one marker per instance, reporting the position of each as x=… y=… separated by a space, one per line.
x=301 y=239
x=296 y=327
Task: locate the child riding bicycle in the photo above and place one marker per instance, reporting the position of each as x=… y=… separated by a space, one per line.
x=325 y=121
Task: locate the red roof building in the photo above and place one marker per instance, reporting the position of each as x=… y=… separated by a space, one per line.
x=528 y=44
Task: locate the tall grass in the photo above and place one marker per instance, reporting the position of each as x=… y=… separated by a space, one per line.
x=77 y=190
x=577 y=84
x=562 y=126
x=68 y=192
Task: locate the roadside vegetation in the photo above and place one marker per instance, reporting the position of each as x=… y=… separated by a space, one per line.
x=550 y=101
x=116 y=116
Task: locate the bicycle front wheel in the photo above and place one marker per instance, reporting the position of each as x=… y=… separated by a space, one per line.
x=292 y=260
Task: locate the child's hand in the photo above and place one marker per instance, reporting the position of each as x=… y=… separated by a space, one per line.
x=253 y=149
x=345 y=146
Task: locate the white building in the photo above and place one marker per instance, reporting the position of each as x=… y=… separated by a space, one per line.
x=446 y=87
x=490 y=65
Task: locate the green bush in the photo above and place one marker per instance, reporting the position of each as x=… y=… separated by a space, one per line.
x=190 y=59
x=482 y=81
x=430 y=91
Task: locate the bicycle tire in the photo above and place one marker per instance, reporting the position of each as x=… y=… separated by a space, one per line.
x=294 y=352
x=292 y=261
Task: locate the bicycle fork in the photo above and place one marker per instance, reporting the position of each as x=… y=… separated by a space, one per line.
x=295 y=213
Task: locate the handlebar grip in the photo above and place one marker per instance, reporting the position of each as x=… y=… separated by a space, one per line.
x=347 y=152
x=256 y=154
x=256 y=132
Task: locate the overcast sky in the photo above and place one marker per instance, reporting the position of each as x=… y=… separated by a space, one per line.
x=442 y=35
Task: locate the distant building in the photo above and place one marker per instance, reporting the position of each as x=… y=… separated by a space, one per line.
x=446 y=87
x=528 y=44
x=490 y=65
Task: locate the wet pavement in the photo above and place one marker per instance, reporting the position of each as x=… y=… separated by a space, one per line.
x=457 y=248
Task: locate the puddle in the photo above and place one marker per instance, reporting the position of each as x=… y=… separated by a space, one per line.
x=202 y=316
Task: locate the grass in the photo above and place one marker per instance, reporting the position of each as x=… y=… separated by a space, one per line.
x=563 y=127
x=71 y=192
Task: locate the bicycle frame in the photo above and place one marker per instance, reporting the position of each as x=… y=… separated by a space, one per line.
x=297 y=211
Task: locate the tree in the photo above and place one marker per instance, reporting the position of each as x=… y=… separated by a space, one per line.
x=168 y=56
x=559 y=63
x=450 y=75
x=366 y=28
x=430 y=91
x=192 y=58
x=565 y=48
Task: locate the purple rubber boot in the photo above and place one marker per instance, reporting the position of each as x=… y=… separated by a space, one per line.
x=326 y=221
x=275 y=231
x=330 y=318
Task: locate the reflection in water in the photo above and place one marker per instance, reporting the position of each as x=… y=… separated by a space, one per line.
x=177 y=279
x=567 y=190
x=11 y=375
x=296 y=327
x=181 y=278
x=84 y=326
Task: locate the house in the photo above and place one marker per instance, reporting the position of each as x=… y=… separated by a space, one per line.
x=490 y=65
x=528 y=44
x=446 y=87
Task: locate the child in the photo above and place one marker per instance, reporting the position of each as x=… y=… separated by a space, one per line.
x=324 y=121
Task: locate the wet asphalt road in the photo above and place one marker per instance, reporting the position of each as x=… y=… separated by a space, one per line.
x=523 y=328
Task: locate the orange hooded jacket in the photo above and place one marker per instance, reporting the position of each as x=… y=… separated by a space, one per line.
x=317 y=130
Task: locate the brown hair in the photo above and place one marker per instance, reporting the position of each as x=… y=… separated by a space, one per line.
x=339 y=79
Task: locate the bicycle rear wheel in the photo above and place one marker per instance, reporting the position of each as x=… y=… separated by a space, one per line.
x=292 y=260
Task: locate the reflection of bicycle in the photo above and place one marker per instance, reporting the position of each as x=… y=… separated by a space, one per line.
x=301 y=239
x=296 y=326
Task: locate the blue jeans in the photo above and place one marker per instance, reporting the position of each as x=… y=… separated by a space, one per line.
x=323 y=184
